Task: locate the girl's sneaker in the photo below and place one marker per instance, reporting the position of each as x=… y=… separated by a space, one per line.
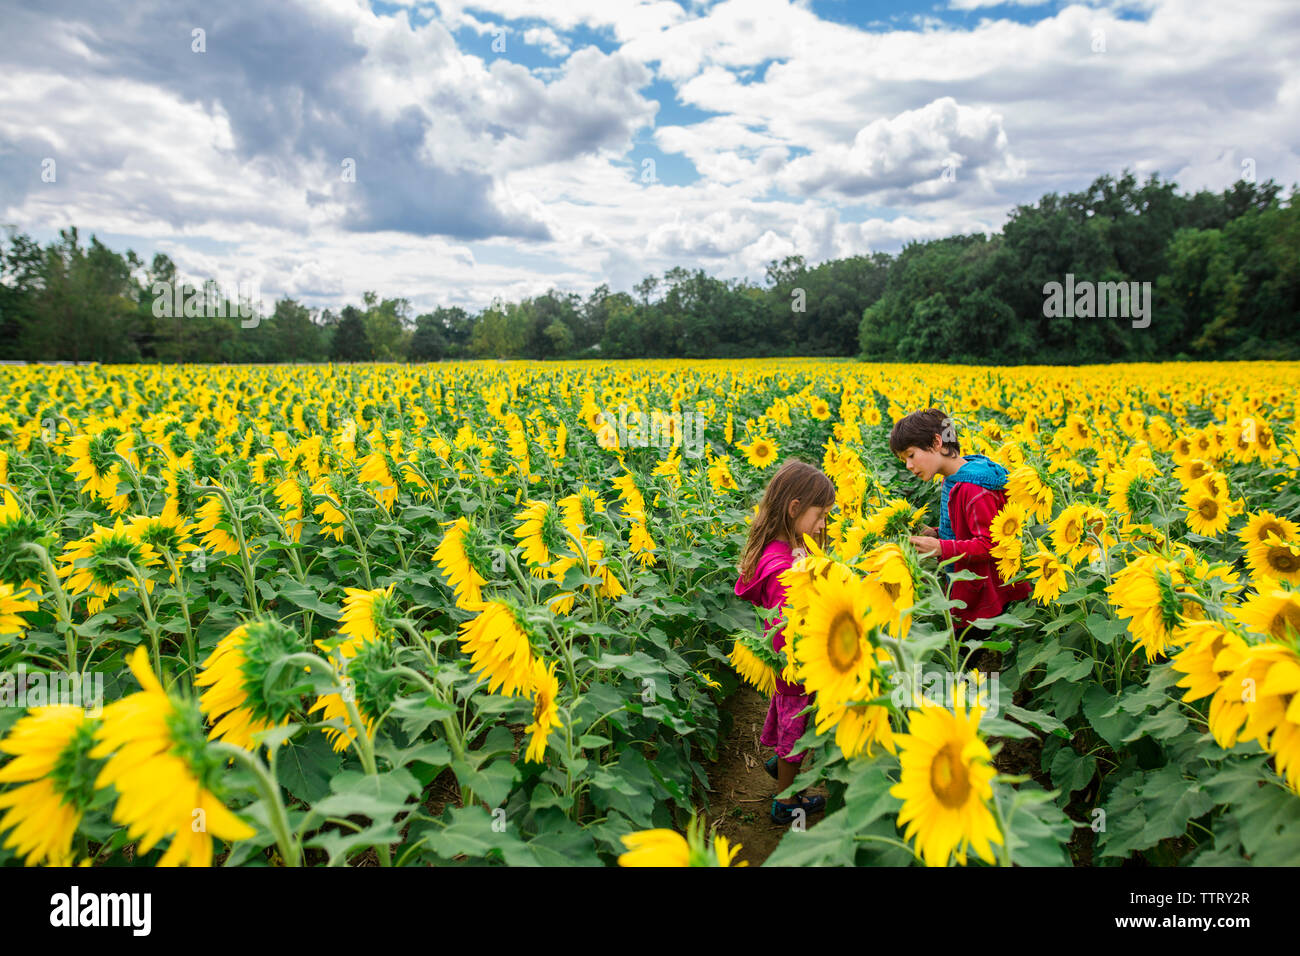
x=784 y=812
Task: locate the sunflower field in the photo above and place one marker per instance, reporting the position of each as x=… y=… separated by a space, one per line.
x=466 y=614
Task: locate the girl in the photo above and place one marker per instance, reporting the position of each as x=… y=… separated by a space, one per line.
x=970 y=498
x=795 y=503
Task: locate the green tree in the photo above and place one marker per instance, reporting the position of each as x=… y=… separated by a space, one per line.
x=350 y=342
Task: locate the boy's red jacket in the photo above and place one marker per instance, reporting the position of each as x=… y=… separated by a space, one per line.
x=970 y=511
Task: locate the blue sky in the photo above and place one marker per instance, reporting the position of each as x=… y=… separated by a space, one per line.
x=456 y=152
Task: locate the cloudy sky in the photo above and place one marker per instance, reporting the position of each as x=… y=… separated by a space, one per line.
x=454 y=152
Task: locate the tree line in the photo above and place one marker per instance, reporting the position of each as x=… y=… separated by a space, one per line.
x=1223 y=271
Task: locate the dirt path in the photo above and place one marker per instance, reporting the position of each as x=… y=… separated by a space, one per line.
x=740 y=799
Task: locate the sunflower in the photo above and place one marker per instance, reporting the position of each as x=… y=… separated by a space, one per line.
x=752 y=668
x=642 y=545
x=158 y=761
x=1069 y=534
x=858 y=726
x=1125 y=485
x=662 y=847
x=332 y=520
x=499 y=649
x=760 y=452
x=1207 y=513
x=1262 y=524
x=833 y=641
x=95 y=463
x=375 y=469
x=1274 y=613
x=1026 y=488
x=658 y=847
x=462 y=556
x=541 y=534
x=819 y=409
x=1192 y=470
x=167 y=532
x=1240 y=709
x=290 y=496
x=896 y=517
x=581 y=510
x=1277 y=560
x=546 y=712
x=50 y=747
x=368 y=615
x=946 y=784
x=91 y=564
x=897 y=573
x=15 y=602
x=1206 y=640
x=630 y=494
x=237 y=700
x=211 y=515
x=720 y=476
x=1048 y=574
x=611 y=587
x=1154 y=593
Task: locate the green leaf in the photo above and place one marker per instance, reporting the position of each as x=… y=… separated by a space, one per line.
x=1036 y=830
x=304 y=766
x=474 y=832
x=378 y=796
x=1105 y=716
x=491 y=782
x=1044 y=722
x=307 y=600
x=1070 y=771
x=1065 y=666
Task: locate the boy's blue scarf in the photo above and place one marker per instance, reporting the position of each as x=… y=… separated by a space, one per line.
x=978 y=470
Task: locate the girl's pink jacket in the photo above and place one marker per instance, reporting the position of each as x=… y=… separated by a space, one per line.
x=764 y=589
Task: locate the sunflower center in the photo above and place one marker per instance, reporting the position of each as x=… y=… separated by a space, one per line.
x=1283 y=560
x=1208 y=508
x=1270 y=527
x=1288 y=616
x=843 y=644
x=949 y=778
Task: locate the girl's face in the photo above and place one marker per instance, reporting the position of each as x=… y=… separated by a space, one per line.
x=809 y=521
x=924 y=462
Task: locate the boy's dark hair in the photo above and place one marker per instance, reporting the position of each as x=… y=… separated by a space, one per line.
x=917 y=430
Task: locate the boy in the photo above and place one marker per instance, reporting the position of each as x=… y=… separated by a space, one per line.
x=970 y=498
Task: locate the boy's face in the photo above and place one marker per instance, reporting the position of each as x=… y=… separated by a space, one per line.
x=809 y=521
x=923 y=462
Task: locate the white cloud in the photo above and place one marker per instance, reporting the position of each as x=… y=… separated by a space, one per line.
x=477 y=176
x=548 y=40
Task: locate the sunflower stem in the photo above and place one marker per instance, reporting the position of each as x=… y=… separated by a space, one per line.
x=270 y=790
x=190 y=651
x=61 y=600
x=151 y=623
x=238 y=525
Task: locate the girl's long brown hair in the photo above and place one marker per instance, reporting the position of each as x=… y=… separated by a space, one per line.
x=794 y=479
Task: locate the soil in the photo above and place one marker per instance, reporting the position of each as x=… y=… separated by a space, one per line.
x=740 y=798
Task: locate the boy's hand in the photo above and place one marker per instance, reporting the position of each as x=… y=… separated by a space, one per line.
x=929 y=530
x=926 y=545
